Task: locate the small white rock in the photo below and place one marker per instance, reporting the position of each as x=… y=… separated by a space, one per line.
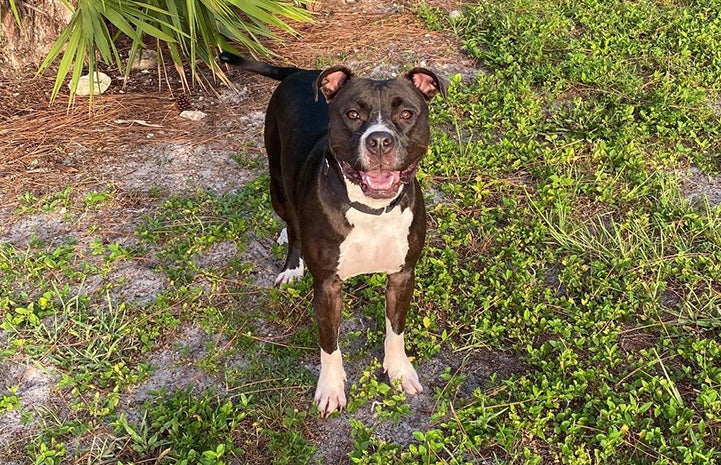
x=193 y=115
x=455 y=14
x=101 y=84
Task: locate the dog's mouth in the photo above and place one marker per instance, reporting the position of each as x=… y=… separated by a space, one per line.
x=379 y=183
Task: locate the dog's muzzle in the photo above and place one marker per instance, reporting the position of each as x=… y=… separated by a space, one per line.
x=379 y=183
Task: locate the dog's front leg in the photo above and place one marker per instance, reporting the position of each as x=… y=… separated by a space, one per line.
x=399 y=291
x=327 y=302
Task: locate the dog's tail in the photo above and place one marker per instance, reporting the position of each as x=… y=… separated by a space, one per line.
x=275 y=72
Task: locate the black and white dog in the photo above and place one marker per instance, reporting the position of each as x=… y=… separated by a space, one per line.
x=342 y=177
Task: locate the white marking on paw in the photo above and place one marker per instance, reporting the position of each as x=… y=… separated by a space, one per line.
x=396 y=363
x=287 y=276
x=330 y=392
x=283 y=237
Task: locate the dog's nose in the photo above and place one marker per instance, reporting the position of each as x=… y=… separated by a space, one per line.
x=379 y=142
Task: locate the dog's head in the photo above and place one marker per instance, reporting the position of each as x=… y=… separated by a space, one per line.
x=378 y=130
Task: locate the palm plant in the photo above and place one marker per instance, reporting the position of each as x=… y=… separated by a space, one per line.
x=193 y=31
x=14 y=9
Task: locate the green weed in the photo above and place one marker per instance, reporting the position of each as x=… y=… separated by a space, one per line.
x=388 y=403
x=565 y=235
x=185 y=227
x=559 y=234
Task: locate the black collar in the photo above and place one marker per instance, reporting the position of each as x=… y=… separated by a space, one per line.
x=377 y=211
x=343 y=193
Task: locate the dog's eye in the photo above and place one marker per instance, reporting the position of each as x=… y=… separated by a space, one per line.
x=406 y=114
x=353 y=115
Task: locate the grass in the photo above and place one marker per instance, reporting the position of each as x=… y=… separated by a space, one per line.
x=561 y=241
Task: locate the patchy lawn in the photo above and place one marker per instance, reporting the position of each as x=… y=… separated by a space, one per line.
x=567 y=304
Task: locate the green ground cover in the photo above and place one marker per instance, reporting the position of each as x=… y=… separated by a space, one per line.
x=561 y=236
x=568 y=235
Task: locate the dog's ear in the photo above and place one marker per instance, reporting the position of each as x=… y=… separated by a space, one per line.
x=330 y=81
x=427 y=83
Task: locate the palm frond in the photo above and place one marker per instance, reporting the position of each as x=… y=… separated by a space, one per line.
x=16 y=13
x=193 y=31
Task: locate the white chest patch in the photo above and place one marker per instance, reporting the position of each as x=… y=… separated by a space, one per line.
x=376 y=244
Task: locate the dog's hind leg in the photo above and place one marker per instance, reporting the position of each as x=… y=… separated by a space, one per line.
x=294 y=266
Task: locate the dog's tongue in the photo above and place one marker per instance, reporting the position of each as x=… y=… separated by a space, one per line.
x=380 y=180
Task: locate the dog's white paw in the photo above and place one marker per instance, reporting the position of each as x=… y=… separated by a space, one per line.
x=287 y=276
x=283 y=237
x=402 y=374
x=395 y=362
x=330 y=392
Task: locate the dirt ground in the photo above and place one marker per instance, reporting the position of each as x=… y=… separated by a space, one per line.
x=133 y=143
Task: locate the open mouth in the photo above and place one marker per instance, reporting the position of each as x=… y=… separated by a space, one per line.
x=379 y=183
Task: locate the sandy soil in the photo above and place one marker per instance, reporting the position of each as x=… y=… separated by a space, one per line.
x=135 y=144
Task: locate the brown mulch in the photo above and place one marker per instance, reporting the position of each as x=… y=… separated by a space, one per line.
x=371 y=37
x=40 y=132
x=36 y=136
